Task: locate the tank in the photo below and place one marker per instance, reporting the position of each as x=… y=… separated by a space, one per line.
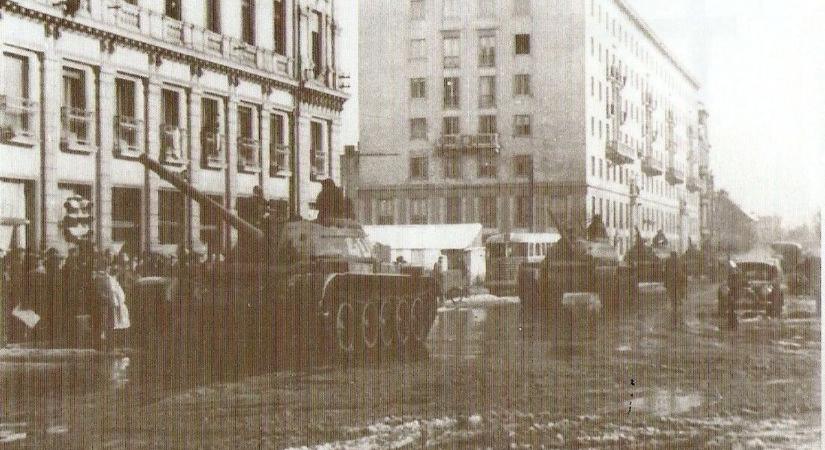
x=648 y=261
x=310 y=288
x=578 y=266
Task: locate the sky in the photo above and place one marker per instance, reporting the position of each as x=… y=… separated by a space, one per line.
x=761 y=64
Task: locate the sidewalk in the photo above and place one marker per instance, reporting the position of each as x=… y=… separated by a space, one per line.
x=21 y=353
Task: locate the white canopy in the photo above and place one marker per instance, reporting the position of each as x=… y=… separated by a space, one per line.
x=413 y=237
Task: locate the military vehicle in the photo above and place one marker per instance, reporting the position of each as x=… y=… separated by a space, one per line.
x=578 y=266
x=648 y=261
x=297 y=286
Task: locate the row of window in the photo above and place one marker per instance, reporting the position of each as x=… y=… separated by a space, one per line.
x=453 y=8
x=488 y=166
x=622 y=175
x=488 y=214
x=79 y=121
x=451 y=48
x=617 y=214
x=212 y=18
x=486 y=89
x=487 y=124
x=171 y=210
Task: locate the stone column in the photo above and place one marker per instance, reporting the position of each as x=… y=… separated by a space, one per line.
x=194 y=164
x=336 y=150
x=106 y=111
x=264 y=127
x=231 y=161
x=51 y=103
x=150 y=194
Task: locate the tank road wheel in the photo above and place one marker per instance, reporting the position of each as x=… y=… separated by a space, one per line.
x=386 y=321
x=370 y=325
x=345 y=329
x=420 y=319
x=402 y=323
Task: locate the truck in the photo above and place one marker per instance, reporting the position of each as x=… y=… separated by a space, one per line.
x=305 y=288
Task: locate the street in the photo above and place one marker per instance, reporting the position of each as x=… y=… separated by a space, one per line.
x=491 y=381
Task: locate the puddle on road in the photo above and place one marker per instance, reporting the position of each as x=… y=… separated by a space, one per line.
x=464 y=332
x=663 y=402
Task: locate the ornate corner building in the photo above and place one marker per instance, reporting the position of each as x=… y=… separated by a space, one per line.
x=505 y=111
x=234 y=93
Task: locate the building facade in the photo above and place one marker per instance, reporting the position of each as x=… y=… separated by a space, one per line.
x=524 y=115
x=235 y=93
x=734 y=230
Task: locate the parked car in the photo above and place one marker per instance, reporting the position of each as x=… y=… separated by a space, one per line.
x=753 y=284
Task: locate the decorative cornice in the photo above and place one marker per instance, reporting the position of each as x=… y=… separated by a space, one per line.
x=157 y=53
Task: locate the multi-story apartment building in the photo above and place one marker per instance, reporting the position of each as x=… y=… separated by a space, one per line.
x=235 y=93
x=503 y=111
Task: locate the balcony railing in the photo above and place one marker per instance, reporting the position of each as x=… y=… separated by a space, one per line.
x=128 y=134
x=248 y=150
x=17 y=119
x=487 y=101
x=212 y=149
x=653 y=164
x=693 y=183
x=172 y=144
x=704 y=171
x=452 y=62
x=470 y=142
x=156 y=25
x=675 y=173
x=450 y=142
x=619 y=152
x=278 y=158
x=77 y=129
x=172 y=30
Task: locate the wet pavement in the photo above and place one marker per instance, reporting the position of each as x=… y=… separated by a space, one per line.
x=494 y=378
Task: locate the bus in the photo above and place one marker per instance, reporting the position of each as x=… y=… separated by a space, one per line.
x=506 y=251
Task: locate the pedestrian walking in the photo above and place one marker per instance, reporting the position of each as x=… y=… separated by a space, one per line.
x=438 y=279
x=676 y=284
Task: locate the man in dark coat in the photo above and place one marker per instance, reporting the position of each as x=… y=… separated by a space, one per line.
x=330 y=201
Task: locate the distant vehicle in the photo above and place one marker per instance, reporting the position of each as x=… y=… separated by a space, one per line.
x=790 y=252
x=648 y=261
x=505 y=252
x=753 y=284
x=588 y=266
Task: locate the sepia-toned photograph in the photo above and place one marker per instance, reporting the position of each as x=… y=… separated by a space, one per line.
x=411 y=224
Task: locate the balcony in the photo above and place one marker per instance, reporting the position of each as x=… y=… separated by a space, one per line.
x=135 y=21
x=128 y=134
x=17 y=120
x=172 y=30
x=449 y=142
x=278 y=159
x=212 y=153
x=470 y=142
x=653 y=165
x=675 y=173
x=619 y=152
x=452 y=62
x=704 y=171
x=693 y=183
x=172 y=145
x=248 y=151
x=76 y=130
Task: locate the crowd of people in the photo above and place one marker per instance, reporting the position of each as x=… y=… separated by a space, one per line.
x=81 y=298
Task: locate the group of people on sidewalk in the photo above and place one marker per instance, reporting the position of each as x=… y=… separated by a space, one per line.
x=65 y=301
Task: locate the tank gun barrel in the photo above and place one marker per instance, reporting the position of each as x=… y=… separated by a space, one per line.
x=188 y=190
